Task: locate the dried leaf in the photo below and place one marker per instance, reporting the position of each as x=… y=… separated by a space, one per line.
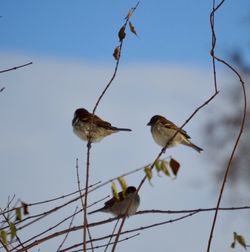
x=130 y=13
x=158 y=165
x=164 y=168
x=3 y=236
x=114 y=191
x=132 y=28
x=174 y=166
x=18 y=214
x=123 y=185
x=116 y=53
x=122 y=33
x=148 y=172
x=12 y=231
x=241 y=240
x=25 y=208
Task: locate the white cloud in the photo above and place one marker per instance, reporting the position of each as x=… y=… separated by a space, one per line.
x=39 y=149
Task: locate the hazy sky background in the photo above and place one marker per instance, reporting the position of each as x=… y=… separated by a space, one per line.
x=167 y=70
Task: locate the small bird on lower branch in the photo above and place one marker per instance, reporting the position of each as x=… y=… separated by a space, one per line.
x=118 y=207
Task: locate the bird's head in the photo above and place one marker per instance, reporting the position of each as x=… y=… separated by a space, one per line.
x=130 y=190
x=155 y=119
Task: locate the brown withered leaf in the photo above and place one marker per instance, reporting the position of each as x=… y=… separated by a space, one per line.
x=116 y=53
x=132 y=28
x=122 y=33
x=175 y=166
x=25 y=208
x=240 y=239
x=130 y=13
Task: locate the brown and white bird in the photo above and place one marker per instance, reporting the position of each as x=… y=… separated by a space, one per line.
x=162 y=130
x=119 y=207
x=100 y=129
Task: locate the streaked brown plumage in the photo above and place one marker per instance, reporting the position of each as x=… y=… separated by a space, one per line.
x=162 y=130
x=100 y=128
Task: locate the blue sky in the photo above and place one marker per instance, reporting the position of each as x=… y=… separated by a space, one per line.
x=169 y=31
x=167 y=71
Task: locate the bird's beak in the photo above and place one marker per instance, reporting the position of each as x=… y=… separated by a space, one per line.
x=149 y=123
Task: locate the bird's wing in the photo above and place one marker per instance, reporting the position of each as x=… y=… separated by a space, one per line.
x=113 y=200
x=102 y=123
x=170 y=125
x=96 y=120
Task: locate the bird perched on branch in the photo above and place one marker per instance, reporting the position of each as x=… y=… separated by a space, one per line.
x=163 y=130
x=118 y=207
x=99 y=128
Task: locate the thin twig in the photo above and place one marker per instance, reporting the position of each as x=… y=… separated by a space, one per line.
x=15 y=68
x=78 y=183
x=158 y=157
x=94 y=224
x=85 y=214
x=96 y=247
x=17 y=237
x=56 y=225
x=192 y=115
x=4 y=246
x=242 y=122
x=50 y=200
x=49 y=229
x=44 y=214
x=89 y=136
x=70 y=225
x=95 y=185
x=117 y=62
x=109 y=242
x=156 y=211
x=141 y=228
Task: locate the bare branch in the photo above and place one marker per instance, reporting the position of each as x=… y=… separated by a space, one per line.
x=187 y=213
x=117 y=61
x=242 y=121
x=66 y=236
x=96 y=247
x=110 y=239
x=160 y=154
x=15 y=68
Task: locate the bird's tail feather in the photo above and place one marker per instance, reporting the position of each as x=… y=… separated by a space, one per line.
x=123 y=129
x=195 y=147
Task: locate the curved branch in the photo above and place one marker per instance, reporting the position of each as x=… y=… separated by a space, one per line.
x=242 y=121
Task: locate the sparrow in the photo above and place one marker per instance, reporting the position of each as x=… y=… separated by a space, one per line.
x=119 y=207
x=99 y=129
x=162 y=130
